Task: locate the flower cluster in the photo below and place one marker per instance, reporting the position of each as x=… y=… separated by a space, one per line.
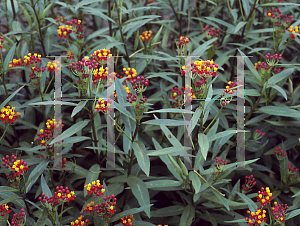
x=139 y=84
x=18 y=219
x=103 y=105
x=9 y=115
x=20 y=166
x=146 y=36
x=4 y=209
x=279 y=153
x=205 y=69
x=101 y=54
x=70 y=55
x=212 y=33
x=96 y=189
x=292 y=170
x=46 y=135
x=273 y=60
x=249 y=183
x=130 y=73
x=33 y=60
x=1 y=42
x=183 y=40
x=264 y=196
x=16 y=63
x=258 y=134
x=220 y=163
x=106 y=209
x=261 y=65
x=52 y=66
x=229 y=89
x=60 y=19
x=257 y=217
x=293 y=32
x=61 y=193
x=80 y=221
x=127 y=221
x=72 y=26
x=99 y=74
x=279 y=211
x=177 y=96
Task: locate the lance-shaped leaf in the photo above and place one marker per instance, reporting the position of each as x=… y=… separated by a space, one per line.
x=187 y=216
x=204 y=144
x=142 y=157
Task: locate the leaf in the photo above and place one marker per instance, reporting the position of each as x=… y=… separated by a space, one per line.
x=172 y=110
x=92 y=175
x=45 y=187
x=43 y=218
x=251 y=67
x=38 y=170
x=252 y=206
x=201 y=49
x=69 y=132
x=246 y=8
x=123 y=110
x=195 y=181
x=157 y=34
x=203 y=142
x=284 y=169
x=169 y=211
x=133 y=26
x=222 y=199
x=292 y=214
x=78 y=108
x=239 y=25
x=53 y=103
x=222 y=134
x=280 y=111
x=16 y=26
x=142 y=157
x=5 y=201
x=169 y=150
x=195 y=119
x=85 y=2
x=26 y=14
x=279 y=89
x=45 y=11
x=280 y=76
x=187 y=216
x=128 y=212
x=8 y=189
x=9 y=56
x=140 y=191
x=157 y=184
x=97 y=12
x=166 y=122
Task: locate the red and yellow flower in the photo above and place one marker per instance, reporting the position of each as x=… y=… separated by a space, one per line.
x=9 y=115
x=80 y=221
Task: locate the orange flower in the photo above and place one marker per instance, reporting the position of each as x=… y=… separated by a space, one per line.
x=9 y=115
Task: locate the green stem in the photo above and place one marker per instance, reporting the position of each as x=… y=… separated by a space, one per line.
x=213 y=120
x=252 y=110
x=132 y=151
x=241 y=10
x=274 y=37
x=121 y=32
x=95 y=219
x=6 y=127
x=42 y=106
x=39 y=26
x=62 y=208
x=94 y=130
x=121 y=129
x=49 y=84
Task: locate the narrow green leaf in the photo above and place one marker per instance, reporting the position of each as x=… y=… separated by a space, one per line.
x=279 y=89
x=45 y=11
x=10 y=97
x=45 y=187
x=93 y=175
x=5 y=201
x=292 y=214
x=284 y=169
x=26 y=14
x=85 y=2
x=169 y=150
x=140 y=192
x=97 y=12
x=162 y=184
x=280 y=76
x=52 y=103
x=166 y=122
x=239 y=26
x=123 y=110
x=78 y=108
x=72 y=130
x=38 y=170
x=222 y=199
x=169 y=211
x=195 y=119
x=8 y=189
x=9 y=56
x=128 y=212
x=251 y=67
x=195 y=181
x=203 y=142
x=42 y=219
x=280 y=111
x=201 y=49
x=142 y=157
x=252 y=206
x=172 y=110
x=157 y=34
x=187 y=216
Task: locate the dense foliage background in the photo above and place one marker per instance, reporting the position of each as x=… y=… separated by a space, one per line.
x=150 y=184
